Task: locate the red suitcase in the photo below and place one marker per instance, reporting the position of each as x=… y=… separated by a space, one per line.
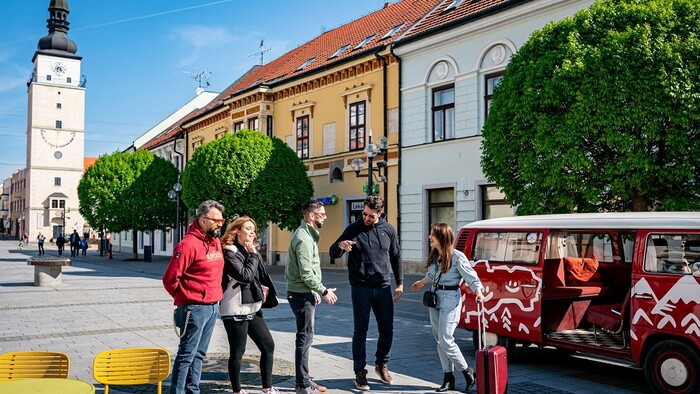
x=491 y=365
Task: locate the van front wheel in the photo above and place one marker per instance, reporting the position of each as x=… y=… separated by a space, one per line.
x=672 y=367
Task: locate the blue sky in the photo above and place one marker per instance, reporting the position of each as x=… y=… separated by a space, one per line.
x=139 y=57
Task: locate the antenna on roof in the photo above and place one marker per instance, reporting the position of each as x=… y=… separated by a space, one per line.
x=202 y=79
x=261 y=52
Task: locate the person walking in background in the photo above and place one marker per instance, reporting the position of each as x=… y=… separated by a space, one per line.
x=83 y=246
x=305 y=290
x=74 y=243
x=193 y=279
x=373 y=252
x=60 y=243
x=446 y=268
x=244 y=271
x=40 y=243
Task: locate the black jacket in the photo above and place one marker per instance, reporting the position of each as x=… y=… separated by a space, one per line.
x=244 y=268
x=374 y=256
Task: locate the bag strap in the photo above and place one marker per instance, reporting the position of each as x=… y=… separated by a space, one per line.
x=437 y=279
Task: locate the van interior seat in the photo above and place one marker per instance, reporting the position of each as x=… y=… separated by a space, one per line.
x=610 y=316
x=557 y=286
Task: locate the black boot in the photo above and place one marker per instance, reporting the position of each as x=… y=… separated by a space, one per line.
x=448 y=383
x=469 y=377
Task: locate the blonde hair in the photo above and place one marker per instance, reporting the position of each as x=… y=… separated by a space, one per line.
x=234 y=228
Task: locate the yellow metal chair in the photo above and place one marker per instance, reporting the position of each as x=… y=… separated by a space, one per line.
x=131 y=366
x=33 y=365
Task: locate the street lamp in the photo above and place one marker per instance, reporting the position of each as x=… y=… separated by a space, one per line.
x=174 y=195
x=371 y=151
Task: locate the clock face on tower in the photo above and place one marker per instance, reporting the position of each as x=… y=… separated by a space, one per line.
x=59 y=68
x=56 y=138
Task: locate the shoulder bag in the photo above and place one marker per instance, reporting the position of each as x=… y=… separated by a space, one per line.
x=430 y=297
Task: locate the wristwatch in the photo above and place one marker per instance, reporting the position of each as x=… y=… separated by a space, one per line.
x=325 y=292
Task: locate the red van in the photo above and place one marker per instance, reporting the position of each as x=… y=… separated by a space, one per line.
x=620 y=285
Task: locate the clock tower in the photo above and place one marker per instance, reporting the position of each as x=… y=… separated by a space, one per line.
x=55 y=131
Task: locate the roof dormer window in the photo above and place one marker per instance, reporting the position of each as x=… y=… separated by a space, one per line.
x=339 y=51
x=306 y=63
x=364 y=42
x=392 y=31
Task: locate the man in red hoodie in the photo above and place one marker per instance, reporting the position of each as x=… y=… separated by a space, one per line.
x=193 y=279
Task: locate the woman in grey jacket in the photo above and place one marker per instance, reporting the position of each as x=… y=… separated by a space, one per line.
x=447 y=267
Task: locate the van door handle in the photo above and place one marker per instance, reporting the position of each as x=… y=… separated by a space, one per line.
x=643 y=297
x=529 y=286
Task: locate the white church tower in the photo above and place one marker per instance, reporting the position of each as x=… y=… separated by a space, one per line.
x=55 y=132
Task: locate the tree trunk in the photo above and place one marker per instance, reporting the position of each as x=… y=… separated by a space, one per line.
x=639 y=203
x=134 y=245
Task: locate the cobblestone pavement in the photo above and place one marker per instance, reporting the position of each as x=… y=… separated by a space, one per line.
x=103 y=304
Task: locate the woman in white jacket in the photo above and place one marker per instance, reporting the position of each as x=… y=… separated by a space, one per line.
x=446 y=268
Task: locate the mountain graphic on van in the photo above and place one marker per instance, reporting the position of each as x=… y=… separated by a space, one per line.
x=677 y=304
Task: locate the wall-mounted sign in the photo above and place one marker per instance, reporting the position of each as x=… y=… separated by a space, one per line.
x=330 y=200
x=357 y=205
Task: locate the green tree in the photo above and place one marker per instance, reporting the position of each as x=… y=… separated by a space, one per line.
x=599 y=112
x=128 y=191
x=251 y=174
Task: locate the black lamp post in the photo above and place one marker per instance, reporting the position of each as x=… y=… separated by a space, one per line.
x=371 y=151
x=174 y=195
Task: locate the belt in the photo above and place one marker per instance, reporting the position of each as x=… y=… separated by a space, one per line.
x=443 y=287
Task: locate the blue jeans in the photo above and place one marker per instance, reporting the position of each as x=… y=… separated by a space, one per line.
x=304 y=307
x=187 y=367
x=381 y=301
x=443 y=321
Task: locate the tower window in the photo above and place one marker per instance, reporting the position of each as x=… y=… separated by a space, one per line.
x=69 y=80
x=59 y=124
x=57 y=181
x=59 y=105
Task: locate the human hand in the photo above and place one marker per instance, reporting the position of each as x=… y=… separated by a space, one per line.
x=250 y=247
x=330 y=296
x=398 y=292
x=417 y=285
x=346 y=245
x=479 y=296
x=317 y=298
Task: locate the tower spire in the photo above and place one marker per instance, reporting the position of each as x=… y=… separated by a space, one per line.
x=57 y=41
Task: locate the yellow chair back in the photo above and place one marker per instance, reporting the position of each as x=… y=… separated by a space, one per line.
x=131 y=366
x=33 y=365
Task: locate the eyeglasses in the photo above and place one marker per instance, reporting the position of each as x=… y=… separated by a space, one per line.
x=370 y=216
x=216 y=221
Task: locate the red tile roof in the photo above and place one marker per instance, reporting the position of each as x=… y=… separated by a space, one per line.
x=440 y=18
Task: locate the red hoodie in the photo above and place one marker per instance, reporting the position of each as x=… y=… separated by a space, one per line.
x=195 y=270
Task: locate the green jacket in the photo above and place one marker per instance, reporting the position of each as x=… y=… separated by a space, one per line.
x=303 y=271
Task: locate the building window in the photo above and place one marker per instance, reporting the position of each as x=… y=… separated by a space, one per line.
x=196 y=145
x=238 y=126
x=454 y=5
x=364 y=42
x=339 y=51
x=59 y=124
x=48 y=77
x=303 y=137
x=392 y=31
x=441 y=206
x=254 y=124
x=306 y=63
x=491 y=83
x=163 y=242
x=69 y=80
x=59 y=105
x=57 y=181
x=58 y=204
x=358 y=121
x=494 y=203
x=269 y=126
x=444 y=113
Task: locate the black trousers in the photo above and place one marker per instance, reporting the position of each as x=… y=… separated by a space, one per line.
x=238 y=333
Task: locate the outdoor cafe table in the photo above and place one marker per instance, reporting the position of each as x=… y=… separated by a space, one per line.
x=46 y=386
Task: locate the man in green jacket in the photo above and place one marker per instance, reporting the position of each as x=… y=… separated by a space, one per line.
x=305 y=290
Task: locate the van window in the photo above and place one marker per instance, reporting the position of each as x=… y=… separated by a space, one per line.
x=673 y=253
x=605 y=247
x=508 y=247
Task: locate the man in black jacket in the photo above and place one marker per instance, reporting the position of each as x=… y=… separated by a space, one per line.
x=373 y=254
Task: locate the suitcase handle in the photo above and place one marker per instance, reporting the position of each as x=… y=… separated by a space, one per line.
x=480 y=316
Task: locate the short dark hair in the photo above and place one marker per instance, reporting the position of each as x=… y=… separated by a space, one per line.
x=375 y=203
x=206 y=206
x=311 y=205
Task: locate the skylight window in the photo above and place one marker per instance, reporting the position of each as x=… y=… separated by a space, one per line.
x=339 y=51
x=364 y=42
x=392 y=31
x=306 y=63
x=454 y=4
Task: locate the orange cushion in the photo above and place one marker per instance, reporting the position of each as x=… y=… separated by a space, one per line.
x=581 y=270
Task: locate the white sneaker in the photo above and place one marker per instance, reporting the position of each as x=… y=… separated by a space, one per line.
x=271 y=390
x=242 y=392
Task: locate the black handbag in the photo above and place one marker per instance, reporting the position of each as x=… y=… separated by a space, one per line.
x=270 y=300
x=430 y=297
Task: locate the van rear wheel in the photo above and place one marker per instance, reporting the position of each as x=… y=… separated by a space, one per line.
x=672 y=367
x=491 y=339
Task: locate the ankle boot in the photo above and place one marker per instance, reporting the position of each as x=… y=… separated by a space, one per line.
x=448 y=383
x=469 y=377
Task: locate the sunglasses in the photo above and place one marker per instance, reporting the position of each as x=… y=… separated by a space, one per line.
x=216 y=221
